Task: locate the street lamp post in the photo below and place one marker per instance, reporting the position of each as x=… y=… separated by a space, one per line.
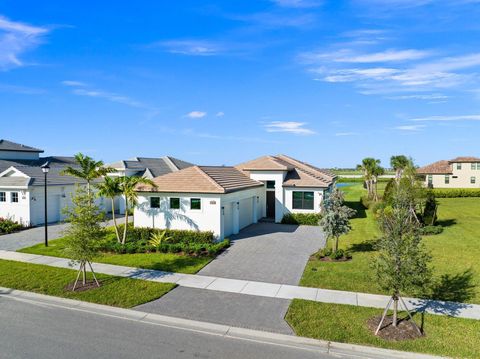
x=45 y=169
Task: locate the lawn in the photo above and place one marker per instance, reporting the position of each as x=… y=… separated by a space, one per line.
x=169 y=262
x=454 y=252
x=445 y=336
x=114 y=291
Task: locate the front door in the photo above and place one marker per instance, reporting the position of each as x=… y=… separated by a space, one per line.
x=271 y=204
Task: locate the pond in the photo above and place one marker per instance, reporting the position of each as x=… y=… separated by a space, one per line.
x=340 y=185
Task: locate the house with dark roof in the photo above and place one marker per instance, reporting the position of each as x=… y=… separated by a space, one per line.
x=460 y=172
x=22 y=184
x=226 y=199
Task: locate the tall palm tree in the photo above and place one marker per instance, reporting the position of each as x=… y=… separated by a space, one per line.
x=88 y=170
x=368 y=167
x=110 y=188
x=399 y=163
x=128 y=189
x=377 y=170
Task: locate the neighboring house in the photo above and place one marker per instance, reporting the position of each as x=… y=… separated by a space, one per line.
x=22 y=184
x=461 y=172
x=226 y=199
x=145 y=167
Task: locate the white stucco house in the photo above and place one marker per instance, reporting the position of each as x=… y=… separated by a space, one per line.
x=460 y=172
x=226 y=199
x=22 y=184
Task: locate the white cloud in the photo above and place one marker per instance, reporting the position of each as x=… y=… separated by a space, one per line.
x=74 y=83
x=297 y=3
x=386 y=56
x=191 y=47
x=16 y=38
x=419 y=97
x=411 y=128
x=288 y=126
x=196 y=114
x=342 y=134
x=447 y=118
x=220 y=114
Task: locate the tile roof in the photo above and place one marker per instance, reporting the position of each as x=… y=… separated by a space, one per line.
x=299 y=174
x=439 y=167
x=6 y=145
x=202 y=179
x=465 y=159
x=153 y=167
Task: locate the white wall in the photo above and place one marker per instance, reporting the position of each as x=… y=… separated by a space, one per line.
x=206 y=219
x=318 y=196
x=12 y=155
x=278 y=177
x=19 y=212
x=460 y=178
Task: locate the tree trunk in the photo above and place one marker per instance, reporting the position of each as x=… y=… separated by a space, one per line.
x=115 y=220
x=84 y=279
x=336 y=245
x=126 y=221
x=395 y=310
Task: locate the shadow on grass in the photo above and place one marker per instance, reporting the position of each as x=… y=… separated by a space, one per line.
x=365 y=246
x=446 y=222
x=358 y=207
x=454 y=287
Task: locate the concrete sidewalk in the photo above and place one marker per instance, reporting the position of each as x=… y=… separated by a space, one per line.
x=261 y=289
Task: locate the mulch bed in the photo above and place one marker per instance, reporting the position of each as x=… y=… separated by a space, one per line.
x=328 y=259
x=405 y=329
x=90 y=284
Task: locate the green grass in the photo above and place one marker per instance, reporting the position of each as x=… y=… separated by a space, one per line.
x=454 y=251
x=114 y=291
x=446 y=336
x=169 y=262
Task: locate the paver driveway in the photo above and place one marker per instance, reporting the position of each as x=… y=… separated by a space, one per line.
x=268 y=252
x=265 y=252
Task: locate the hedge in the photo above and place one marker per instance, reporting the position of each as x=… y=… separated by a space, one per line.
x=176 y=235
x=359 y=179
x=308 y=219
x=456 y=192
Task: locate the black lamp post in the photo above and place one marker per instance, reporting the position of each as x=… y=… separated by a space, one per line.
x=45 y=169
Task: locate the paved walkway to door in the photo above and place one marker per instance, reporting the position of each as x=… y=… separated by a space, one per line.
x=268 y=252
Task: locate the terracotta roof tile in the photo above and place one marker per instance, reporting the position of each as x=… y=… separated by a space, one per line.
x=465 y=159
x=439 y=167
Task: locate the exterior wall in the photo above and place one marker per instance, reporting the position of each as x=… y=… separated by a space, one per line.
x=460 y=178
x=206 y=219
x=278 y=177
x=19 y=212
x=318 y=196
x=12 y=155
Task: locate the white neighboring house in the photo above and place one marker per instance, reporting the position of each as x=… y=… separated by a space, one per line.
x=226 y=199
x=144 y=167
x=461 y=172
x=22 y=184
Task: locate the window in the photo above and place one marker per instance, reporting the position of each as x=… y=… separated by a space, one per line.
x=430 y=180
x=154 y=202
x=195 y=203
x=459 y=166
x=174 y=203
x=302 y=200
x=447 y=179
x=478 y=166
x=14 y=197
x=474 y=166
x=270 y=184
x=3 y=197
x=473 y=180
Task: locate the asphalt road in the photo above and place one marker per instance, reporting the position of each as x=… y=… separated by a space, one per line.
x=41 y=331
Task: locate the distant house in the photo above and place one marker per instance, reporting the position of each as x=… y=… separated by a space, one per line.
x=460 y=172
x=226 y=199
x=22 y=184
x=145 y=167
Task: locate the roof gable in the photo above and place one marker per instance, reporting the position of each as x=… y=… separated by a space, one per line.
x=439 y=167
x=6 y=145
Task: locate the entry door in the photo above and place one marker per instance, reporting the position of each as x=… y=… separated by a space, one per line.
x=271 y=204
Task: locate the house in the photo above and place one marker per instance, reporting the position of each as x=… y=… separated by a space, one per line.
x=226 y=199
x=460 y=172
x=22 y=184
x=144 y=167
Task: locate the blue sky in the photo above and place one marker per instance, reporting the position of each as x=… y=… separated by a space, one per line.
x=220 y=82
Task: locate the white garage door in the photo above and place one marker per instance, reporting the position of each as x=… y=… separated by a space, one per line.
x=227 y=220
x=246 y=212
x=54 y=211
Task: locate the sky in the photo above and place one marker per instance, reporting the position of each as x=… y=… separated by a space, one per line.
x=221 y=82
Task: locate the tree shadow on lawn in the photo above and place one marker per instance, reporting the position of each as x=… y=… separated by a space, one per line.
x=365 y=246
x=446 y=222
x=358 y=207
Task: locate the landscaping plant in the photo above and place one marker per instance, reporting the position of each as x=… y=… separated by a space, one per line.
x=371 y=171
x=336 y=217
x=110 y=188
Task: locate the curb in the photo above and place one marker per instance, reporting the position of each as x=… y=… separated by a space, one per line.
x=321 y=346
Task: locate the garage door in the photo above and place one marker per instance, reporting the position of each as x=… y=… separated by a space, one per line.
x=227 y=220
x=246 y=212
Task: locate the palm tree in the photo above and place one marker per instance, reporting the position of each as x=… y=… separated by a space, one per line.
x=110 y=188
x=399 y=163
x=368 y=167
x=128 y=189
x=89 y=169
x=377 y=170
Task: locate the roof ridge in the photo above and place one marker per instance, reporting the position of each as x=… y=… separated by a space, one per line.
x=215 y=183
x=170 y=163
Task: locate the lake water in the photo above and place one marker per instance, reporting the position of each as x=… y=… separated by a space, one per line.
x=340 y=185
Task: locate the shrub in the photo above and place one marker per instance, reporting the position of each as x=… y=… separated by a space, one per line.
x=308 y=219
x=431 y=230
x=366 y=202
x=340 y=254
x=456 y=192
x=9 y=226
x=322 y=253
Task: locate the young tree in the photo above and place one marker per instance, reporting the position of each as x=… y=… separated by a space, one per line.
x=84 y=232
x=110 y=188
x=402 y=262
x=88 y=169
x=336 y=217
x=399 y=163
x=128 y=188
